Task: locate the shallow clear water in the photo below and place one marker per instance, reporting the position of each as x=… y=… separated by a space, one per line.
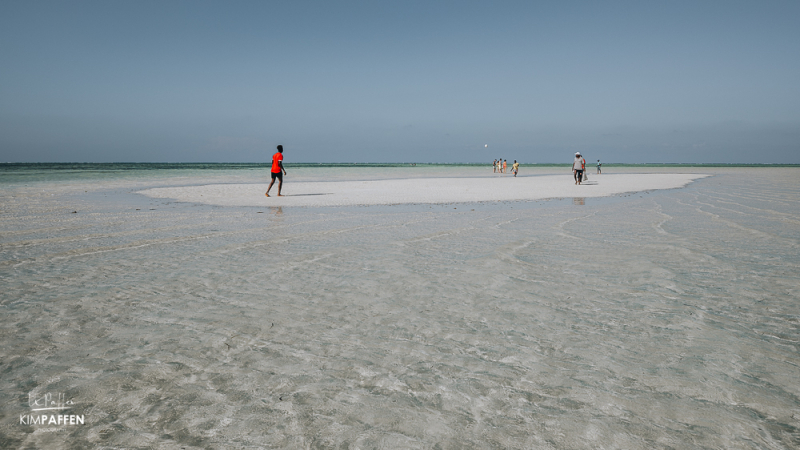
x=652 y=320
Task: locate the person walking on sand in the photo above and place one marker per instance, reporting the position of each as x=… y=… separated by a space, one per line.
x=515 y=168
x=277 y=171
x=598 y=167
x=577 y=167
x=494 y=166
x=504 y=166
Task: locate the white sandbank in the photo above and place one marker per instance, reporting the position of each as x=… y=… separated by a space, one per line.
x=421 y=190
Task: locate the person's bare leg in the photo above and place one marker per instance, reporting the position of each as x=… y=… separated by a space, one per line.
x=270 y=187
x=280 y=185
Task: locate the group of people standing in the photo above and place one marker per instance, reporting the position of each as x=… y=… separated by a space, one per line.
x=578 y=167
x=500 y=166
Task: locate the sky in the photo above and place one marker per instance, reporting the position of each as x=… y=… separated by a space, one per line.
x=400 y=81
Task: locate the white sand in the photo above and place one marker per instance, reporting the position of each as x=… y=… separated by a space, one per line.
x=421 y=190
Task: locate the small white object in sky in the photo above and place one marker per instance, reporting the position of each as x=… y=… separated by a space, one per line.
x=485 y=145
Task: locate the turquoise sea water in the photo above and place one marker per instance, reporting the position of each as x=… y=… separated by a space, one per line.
x=53 y=172
x=665 y=319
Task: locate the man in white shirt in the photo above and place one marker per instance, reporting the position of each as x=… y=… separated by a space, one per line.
x=578 y=167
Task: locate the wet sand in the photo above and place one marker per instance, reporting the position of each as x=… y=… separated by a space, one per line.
x=421 y=190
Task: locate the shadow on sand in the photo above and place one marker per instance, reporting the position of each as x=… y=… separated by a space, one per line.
x=305 y=195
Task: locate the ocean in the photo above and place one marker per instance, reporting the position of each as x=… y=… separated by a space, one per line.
x=656 y=319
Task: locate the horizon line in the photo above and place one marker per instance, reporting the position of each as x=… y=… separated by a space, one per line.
x=268 y=163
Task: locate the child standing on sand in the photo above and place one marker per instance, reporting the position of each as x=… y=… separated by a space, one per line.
x=515 y=168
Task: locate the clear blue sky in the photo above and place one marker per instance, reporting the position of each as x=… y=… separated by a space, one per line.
x=375 y=81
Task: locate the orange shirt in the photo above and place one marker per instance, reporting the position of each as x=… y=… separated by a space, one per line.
x=276 y=159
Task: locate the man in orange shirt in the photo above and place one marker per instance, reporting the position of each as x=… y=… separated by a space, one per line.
x=277 y=170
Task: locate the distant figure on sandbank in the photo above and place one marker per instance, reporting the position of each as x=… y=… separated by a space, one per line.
x=515 y=168
x=277 y=171
x=598 y=167
x=578 y=167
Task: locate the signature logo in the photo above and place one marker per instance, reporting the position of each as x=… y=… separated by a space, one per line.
x=46 y=410
x=49 y=402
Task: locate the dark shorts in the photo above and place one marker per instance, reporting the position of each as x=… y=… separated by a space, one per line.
x=278 y=175
x=577 y=172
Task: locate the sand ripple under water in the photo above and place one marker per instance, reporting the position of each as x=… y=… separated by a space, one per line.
x=661 y=319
